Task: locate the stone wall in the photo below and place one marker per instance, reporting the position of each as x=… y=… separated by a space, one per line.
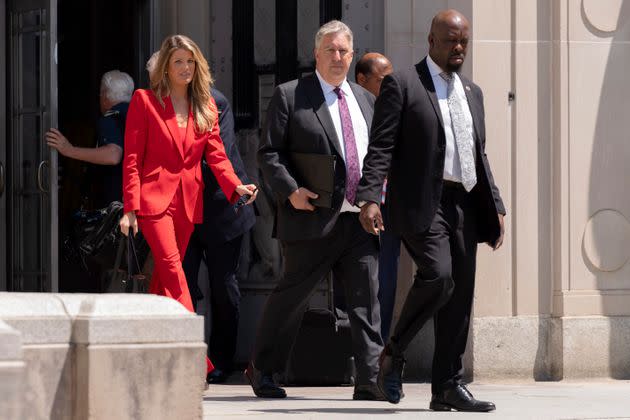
x=72 y=356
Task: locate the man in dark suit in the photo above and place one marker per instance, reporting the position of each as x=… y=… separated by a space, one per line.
x=369 y=72
x=428 y=139
x=217 y=241
x=322 y=114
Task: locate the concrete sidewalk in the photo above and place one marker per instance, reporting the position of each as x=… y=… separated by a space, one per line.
x=605 y=399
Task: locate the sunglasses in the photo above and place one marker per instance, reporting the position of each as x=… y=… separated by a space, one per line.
x=242 y=200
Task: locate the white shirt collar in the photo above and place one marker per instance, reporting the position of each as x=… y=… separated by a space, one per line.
x=328 y=88
x=434 y=69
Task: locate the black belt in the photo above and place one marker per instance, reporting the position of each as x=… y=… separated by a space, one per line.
x=453 y=185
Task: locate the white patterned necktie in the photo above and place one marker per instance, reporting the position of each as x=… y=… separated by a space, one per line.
x=463 y=136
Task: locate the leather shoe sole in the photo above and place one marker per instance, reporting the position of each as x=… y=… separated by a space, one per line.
x=442 y=406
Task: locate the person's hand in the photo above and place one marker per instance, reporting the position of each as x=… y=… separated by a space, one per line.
x=58 y=141
x=299 y=199
x=371 y=218
x=249 y=189
x=128 y=221
x=499 y=241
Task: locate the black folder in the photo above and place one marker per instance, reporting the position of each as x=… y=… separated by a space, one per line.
x=317 y=173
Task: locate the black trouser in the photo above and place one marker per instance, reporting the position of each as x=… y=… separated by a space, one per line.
x=222 y=262
x=351 y=254
x=444 y=285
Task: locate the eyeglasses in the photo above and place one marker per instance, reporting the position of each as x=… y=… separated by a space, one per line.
x=242 y=200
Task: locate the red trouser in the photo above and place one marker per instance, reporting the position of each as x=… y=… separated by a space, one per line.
x=167 y=235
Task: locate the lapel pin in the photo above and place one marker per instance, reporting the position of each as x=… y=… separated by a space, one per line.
x=467 y=87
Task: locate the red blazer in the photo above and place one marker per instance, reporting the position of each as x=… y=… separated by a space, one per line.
x=157 y=159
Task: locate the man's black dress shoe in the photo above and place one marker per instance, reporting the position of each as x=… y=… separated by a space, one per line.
x=263 y=384
x=460 y=399
x=390 y=374
x=217 y=376
x=367 y=393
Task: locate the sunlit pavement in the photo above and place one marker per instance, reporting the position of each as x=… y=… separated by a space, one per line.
x=604 y=399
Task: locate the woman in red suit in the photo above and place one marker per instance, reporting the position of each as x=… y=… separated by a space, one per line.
x=169 y=128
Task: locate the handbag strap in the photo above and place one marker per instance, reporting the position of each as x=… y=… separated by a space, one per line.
x=118 y=261
x=133 y=265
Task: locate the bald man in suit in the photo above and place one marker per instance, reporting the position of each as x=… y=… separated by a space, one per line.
x=428 y=138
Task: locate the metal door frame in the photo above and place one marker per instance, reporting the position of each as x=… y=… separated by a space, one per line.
x=49 y=119
x=4 y=269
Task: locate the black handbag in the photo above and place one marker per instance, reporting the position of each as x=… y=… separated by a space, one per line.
x=89 y=244
x=129 y=279
x=96 y=233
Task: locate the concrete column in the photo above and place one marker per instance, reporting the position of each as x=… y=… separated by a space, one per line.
x=591 y=208
x=11 y=373
x=512 y=63
x=105 y=356
x=591 y=46
x=186 y=17
x=45 y=329
x=137 y=357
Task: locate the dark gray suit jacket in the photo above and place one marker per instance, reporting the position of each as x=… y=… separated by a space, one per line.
x=298 y=120
x=408 y=146
x=221 y=223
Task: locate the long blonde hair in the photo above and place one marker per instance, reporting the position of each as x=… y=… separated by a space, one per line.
x=204 y=112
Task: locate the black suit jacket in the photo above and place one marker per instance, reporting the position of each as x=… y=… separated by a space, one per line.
x=220 y=222
x=408 y=146
x=298 y=120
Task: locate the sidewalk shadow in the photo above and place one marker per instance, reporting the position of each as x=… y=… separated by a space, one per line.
x=333 y=410
x=230 y=398
x=240 y=398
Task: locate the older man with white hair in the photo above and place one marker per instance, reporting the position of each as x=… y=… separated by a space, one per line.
x=115 y=94
x=322 y=114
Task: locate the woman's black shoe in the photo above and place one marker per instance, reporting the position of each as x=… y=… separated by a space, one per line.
x=217 y=376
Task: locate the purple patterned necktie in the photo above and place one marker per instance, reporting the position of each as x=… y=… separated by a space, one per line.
x=353 y=174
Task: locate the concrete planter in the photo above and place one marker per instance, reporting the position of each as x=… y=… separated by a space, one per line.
x=107 y=356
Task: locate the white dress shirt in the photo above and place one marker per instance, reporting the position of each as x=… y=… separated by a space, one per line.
x=359 y=126
x=452 y=167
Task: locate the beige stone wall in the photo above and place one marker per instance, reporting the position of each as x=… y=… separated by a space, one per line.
x=595 y=54
x=491 y=58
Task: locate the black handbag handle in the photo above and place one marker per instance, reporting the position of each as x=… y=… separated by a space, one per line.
x=133 y=266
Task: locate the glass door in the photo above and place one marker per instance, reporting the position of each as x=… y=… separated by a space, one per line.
x=32 y=192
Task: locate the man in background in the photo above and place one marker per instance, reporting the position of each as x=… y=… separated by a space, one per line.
x=115 y=94
x=369 y=72
x=218 y=241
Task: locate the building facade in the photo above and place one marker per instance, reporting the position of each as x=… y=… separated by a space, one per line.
x=552 y=303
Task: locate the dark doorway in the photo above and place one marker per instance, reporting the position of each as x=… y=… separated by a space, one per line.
x=94 y=37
